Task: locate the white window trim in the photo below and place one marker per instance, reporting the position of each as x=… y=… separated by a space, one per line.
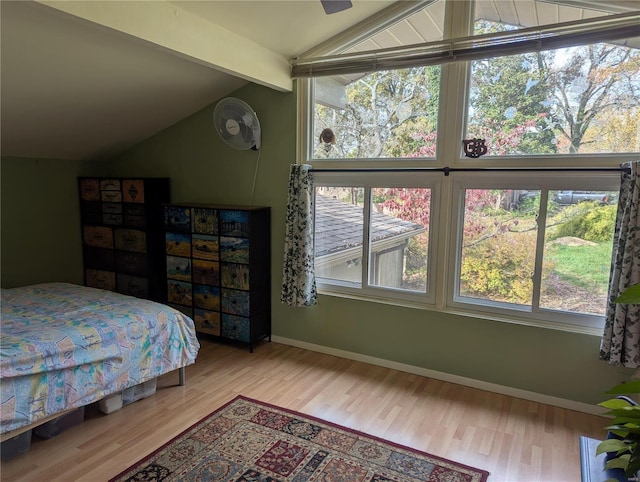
x=371 y=180
x=444 y=231
x=445 y=242
x=535 y=316
x=459 y=49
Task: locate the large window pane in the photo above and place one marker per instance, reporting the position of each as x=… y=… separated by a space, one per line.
x=566 y=101
x=338 y=234
x=510 y=256
x=399 y=238
x=380 y=115
x=577 y=251
x=498 y=246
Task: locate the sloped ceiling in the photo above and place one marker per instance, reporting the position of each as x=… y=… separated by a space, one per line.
x=85 y=80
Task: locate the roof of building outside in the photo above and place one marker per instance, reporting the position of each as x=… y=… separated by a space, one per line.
x=341 y=226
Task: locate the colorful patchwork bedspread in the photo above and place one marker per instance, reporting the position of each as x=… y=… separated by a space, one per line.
x=64 y=346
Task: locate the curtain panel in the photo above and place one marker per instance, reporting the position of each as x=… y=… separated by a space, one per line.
x=298 y=276
x=620 y=344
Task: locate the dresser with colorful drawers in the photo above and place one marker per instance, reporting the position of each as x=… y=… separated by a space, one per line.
x=218 y=268
x=123 y=235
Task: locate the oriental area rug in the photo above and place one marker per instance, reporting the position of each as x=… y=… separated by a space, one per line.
x=251 y=441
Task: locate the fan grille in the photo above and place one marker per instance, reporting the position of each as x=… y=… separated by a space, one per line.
x=237 y=123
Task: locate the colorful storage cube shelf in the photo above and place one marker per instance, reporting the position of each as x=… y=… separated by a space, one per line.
x=123 y=235
x=218 y=268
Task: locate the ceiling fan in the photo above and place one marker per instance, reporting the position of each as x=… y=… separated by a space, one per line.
x=334 y=6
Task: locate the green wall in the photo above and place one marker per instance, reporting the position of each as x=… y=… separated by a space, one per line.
x=40 y=221
x=204 y=169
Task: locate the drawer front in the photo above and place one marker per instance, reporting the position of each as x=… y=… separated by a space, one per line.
x=111 y=196
x=177 y=219
x=235 y=275
x=110 y=184
x=236 y=328
x=90 y=207
x=133 y=191
x=178 y=244
x=206 y=297
x=235 y=302
x=207 y=321
x=105 y=280
x=234 y=250
x=133 y=285
x=98 y=236
x=89 y=189
x=112 y=219
x=91 y=212
x=206 y=272
x=131 y=240
x=205 y=221
x=179 y=268
x=134 y=209
x=132 y=263
x=206 y=247
x=112 y=208
x=179 y=292
x=234 y=223
x=99 y=258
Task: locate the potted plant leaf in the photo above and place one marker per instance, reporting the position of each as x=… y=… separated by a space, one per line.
x=623 y=439
x=622 y=444
x=630 y=296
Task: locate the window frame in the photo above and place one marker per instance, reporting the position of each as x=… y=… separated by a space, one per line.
x=607 y=181
x=367 y=181
x=445 y=227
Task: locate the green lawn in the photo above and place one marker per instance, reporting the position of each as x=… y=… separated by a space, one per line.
x=583 y=266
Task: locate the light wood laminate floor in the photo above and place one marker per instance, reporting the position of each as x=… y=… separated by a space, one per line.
x=514 y=439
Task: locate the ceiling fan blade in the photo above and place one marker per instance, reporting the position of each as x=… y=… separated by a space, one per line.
x=333 y=6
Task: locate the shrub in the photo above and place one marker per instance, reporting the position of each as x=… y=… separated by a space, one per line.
x=416 y=256
x=500 y=268
x=588 y=221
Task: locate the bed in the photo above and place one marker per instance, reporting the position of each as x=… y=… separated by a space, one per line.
x=65 y=346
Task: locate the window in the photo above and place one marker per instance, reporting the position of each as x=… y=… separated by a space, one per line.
x=375 y=238
x=577 y=250
x=564 y=101
x=400 y=218
x=380 y=115
x=385 y=114
x=338 y=234
x=398 y=242
x=533 y=249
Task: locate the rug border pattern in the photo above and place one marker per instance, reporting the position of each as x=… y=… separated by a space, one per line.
x=141 y=462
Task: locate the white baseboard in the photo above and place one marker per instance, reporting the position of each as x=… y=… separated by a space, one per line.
x=447 y=377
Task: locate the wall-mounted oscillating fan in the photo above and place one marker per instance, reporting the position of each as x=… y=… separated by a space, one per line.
x=237 y=124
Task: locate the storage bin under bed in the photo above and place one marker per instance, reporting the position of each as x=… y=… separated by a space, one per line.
x=118 y=400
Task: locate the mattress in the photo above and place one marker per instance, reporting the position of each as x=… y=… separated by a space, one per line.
x=65 y=346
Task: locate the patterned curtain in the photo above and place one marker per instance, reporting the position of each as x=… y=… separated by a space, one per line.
x=298 y=276
x=620 y=343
